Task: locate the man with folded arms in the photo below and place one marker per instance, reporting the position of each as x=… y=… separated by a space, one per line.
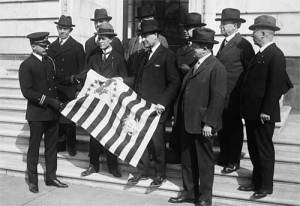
x=262 y=85
x=38 y=86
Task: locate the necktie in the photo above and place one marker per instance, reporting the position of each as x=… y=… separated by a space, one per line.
x=60 y=42
x=147 y=55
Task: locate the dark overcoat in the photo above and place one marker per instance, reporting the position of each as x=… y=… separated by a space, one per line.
x=92 y=48
x=37 y=78
x=235 y=56
x=69 y=60
x=201 y=97
x=158 y=79
x=263 y=83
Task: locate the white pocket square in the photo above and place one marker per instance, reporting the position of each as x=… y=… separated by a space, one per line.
x=156 y=65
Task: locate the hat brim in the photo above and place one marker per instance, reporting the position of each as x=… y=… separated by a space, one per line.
x=192 y=25
x=205 y=41
x=264 y=26
x=150 y=32
x=240 y=20
x=103 y=18
x=65 y=25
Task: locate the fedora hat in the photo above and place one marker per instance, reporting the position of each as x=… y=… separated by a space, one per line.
x=65 y=21
x=106 y=29
x=40 y=38
x=145 y=11
x=230 y=14
x=149 y=26
x=101 y=14
x=193 y=20
x=264 y=21
x=204 y=35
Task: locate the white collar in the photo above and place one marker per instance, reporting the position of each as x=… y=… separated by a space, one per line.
x=261 y=49
x=153 y=49
x=228 y=38
x=201 y=60
x=107 y=50
x=63 y=40
x=37 y=56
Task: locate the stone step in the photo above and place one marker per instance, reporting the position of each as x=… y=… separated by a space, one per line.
x=288 y=135
x=283 y=153
x=20 y=145
x=12 y=99
x=224 y=187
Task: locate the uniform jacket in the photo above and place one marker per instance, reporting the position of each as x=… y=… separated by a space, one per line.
x=263 y=83
x=235 y=56
x=201 y=97
x=69 y=60
x=158 y=79
x=134 y=45
x=37 y=79
x=91 y=47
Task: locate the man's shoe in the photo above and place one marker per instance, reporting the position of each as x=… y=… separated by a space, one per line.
x=90 y=170
x=157 y=181
x=203 y=203
x=72 y=151
x=115 y=172
x=56 y=183
x=261 y=194
x=136 y=179
x=181 y=199
x=246 y=188
x=33 y=188
x=230 y=168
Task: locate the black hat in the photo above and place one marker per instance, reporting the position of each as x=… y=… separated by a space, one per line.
x=149 y=26
x=203 y=35
x=106 y=29
x=40 y=38
x=264 y=22
x=101 y=14
x=230 y=14
x=193 y=20
x=145 y=11
x=65 y=21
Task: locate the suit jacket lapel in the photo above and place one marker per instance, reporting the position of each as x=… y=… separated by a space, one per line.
x=237 y=38
x=203 y=66
x=155 y=55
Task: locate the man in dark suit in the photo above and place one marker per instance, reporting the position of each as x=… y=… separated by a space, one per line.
x=235 y=54
x=185 y=54
x=263 y=83
x=68 y=55
x=135 y=44
x=198 y=111
x=109 y=63
x=38 y=86
x=91 y=47
x=156 y=80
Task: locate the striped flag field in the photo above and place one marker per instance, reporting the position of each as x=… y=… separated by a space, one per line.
x=115 y=115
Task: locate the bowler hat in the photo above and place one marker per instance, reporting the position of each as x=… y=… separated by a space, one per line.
x=149 y=26
x=230 y=14
x=40 y=38
x=203 y=35
x=264 y=21
x=65 y=21
x=145 y=11
x=101 y=14
x=106 y=29
x=193 y=20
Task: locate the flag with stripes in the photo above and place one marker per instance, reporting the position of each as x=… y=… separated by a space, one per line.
x=115 y=115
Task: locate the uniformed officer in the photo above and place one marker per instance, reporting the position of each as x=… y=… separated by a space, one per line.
x=38 y=86
x=68 y=55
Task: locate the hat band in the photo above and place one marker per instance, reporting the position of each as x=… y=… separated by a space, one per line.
x=101 y=30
